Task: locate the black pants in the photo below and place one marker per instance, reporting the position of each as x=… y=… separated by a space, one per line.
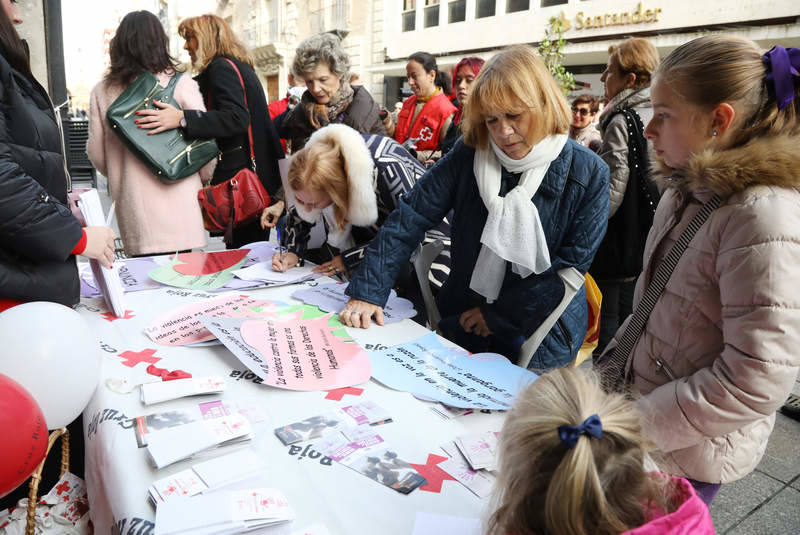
x=616 y=306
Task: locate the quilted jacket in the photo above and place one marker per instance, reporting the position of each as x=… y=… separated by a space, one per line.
x=37 y=230
x=719 y=353
x=573 y=207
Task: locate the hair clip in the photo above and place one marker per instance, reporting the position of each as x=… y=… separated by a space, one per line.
x=569 y=434
x=782 y=66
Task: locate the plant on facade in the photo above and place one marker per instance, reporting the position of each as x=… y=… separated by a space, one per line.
x=551 y=51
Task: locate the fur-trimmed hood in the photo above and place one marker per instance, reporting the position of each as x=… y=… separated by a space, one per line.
x=773 y=161
x=360 y=169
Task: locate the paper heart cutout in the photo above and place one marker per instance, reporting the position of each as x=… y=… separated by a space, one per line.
x=202 y=263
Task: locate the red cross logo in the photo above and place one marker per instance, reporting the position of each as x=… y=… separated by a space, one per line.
x=339 y=393
x=63 y=487
x=426 y=133
x=132 y=358
x=109 y=316
x=431 y=471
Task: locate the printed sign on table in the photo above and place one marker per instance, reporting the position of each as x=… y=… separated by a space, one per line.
x=200 y=270
x=331 y=298
x=292 y=353
x=428 y=369
x=182 y=326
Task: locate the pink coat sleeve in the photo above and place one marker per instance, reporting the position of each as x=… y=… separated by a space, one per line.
x=95 y=146
x=187 y=94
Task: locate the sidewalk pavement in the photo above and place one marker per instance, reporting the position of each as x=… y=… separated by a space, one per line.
x=765 y=502
x=768 y=500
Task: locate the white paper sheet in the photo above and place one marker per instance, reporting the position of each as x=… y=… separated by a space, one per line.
x=263 y=272
x=436 y=524
x=107 y=278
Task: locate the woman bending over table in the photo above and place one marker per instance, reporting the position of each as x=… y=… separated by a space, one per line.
x=526 y=202
x=347 y=182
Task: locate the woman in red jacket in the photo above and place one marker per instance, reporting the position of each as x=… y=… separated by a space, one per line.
x=423 y=122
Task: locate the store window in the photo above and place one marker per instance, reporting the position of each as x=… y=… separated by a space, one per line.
x=457 y=11
x=431 y=13
x=485 y=8
x=512 y=6
x=409 y=15
x=548 y=3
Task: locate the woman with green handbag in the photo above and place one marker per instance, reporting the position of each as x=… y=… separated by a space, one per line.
x=154 y=217
x=232 y=112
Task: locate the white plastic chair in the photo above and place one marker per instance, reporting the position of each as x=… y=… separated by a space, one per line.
x=572 y=278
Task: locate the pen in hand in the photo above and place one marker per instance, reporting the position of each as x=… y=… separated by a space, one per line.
x=280 y=239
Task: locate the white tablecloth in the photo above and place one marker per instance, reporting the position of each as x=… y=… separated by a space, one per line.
x=346 y=502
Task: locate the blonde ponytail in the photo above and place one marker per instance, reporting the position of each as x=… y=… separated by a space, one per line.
x=598 y=486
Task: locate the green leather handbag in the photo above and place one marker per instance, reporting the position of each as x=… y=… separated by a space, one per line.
x=169 y=155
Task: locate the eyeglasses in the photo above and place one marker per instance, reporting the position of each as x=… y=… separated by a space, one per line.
x=583 y=112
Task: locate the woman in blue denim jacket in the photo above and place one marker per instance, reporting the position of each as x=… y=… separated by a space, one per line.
x=526 y=202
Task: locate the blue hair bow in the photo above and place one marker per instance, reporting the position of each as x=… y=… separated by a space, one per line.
x=569 y=434
x=782 y=67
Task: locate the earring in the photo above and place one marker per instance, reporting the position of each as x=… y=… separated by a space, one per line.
x=714 y=133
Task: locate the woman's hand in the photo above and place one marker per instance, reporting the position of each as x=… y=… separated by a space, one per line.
x=100 y=245
x=271 y=214
x=358 y=313
x=334 y=267
x=167 y=117
x=283 y=261
x=473 y=322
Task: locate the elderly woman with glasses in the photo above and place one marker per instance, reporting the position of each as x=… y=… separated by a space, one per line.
x=526 y=202
x=324 y=65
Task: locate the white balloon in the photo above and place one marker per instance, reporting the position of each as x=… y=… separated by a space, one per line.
x=49 y=349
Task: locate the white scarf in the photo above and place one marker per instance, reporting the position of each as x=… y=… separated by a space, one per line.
x=513 y=231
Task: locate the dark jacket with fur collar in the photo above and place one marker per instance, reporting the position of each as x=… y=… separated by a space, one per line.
x=719 y=353
x=379 y=172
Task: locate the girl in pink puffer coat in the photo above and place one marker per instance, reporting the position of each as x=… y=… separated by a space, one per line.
x=572 y=463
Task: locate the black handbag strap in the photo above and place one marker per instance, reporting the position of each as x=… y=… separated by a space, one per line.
x=613 y=371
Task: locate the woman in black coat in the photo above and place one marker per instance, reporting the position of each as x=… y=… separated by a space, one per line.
x=38 y=233
x=211 y=43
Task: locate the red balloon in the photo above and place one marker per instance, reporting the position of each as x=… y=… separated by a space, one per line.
x=24 y=435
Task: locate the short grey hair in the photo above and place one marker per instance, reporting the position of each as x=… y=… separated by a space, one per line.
x=323 y=48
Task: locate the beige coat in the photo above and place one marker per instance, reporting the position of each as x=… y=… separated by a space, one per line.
x=153 y=217
x=721 y=349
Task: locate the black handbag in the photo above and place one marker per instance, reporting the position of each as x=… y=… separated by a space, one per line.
x=169 y=155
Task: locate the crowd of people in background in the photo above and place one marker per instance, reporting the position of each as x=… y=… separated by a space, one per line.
x=523 y=184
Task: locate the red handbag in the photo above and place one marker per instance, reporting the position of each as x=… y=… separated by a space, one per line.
x=239 y=199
